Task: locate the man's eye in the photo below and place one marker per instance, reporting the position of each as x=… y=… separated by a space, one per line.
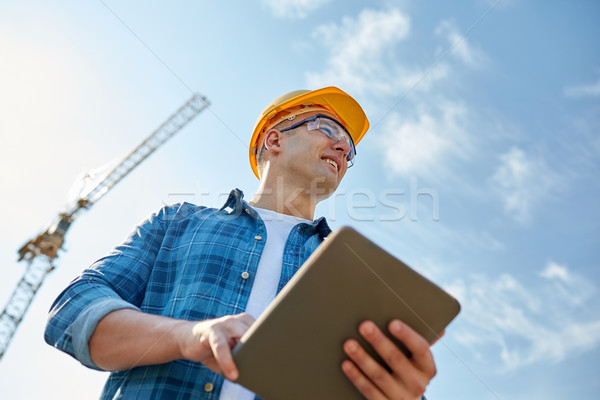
x=327 y=131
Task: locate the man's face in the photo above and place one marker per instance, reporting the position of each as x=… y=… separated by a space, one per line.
x=316 y=161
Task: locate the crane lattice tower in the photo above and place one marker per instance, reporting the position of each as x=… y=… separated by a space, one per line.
x=41 y=252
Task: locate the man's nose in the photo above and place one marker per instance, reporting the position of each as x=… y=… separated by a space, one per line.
x=343 y=147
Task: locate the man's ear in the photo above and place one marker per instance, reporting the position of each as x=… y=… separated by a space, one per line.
x=272 y=141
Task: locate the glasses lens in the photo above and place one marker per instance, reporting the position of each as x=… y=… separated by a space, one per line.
x=335 y=131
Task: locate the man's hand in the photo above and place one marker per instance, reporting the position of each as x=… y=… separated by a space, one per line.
x=126 y=338
x=210 y=342
x=408 y=378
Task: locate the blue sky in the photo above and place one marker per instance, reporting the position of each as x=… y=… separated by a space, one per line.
x=479 y=169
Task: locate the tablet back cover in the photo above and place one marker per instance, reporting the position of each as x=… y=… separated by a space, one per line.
x=294 y=349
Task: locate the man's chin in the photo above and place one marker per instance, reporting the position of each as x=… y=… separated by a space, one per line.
x=322 y=187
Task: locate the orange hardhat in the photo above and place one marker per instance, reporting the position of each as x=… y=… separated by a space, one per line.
x=342 y=105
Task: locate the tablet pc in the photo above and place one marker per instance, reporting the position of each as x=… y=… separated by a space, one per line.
x=294 y=349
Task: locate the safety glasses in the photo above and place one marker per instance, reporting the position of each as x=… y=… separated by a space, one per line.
x=331 y=128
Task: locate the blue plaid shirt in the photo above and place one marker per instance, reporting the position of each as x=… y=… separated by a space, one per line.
x=184 y=262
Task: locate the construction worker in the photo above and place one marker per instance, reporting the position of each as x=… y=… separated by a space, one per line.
x=164 y=309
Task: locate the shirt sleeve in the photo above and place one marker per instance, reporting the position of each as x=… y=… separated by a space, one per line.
x=116 y=281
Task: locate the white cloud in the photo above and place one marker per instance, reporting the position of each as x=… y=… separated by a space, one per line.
x=462 y=49
x=293 y=8
x=572 y=288
x=555 y=271
x=522 y=182
x=586 y=90
x=423 y=144
x=360 y=58
x=362 y=54
x=523 y=325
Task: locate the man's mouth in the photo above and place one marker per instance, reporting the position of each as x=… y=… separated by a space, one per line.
x=332 y=162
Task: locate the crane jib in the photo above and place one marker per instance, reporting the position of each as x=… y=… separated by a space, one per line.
x=40 y=252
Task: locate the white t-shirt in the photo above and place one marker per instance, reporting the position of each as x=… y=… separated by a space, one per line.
x=266 y=281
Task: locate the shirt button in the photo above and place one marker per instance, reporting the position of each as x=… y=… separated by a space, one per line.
x=209 y=387
x=247 y=211
x=258 y=237
x=245 y=275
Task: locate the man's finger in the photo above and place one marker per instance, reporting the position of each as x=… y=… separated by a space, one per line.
x=222 y=353
x=402 y=367
x=416 y=344
x=360 y=381
x=389 y=352
x=223 y=337
x=246 y=319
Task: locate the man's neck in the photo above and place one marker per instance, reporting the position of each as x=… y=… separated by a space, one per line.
x=279 y=196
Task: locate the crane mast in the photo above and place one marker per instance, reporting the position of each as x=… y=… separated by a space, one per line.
x=40 y=252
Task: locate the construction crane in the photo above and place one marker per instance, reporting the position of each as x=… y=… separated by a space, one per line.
x=40 y=252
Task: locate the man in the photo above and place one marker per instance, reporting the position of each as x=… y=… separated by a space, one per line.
x=164 y=309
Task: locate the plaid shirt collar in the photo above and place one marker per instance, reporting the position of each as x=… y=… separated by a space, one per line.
x=236 y=205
